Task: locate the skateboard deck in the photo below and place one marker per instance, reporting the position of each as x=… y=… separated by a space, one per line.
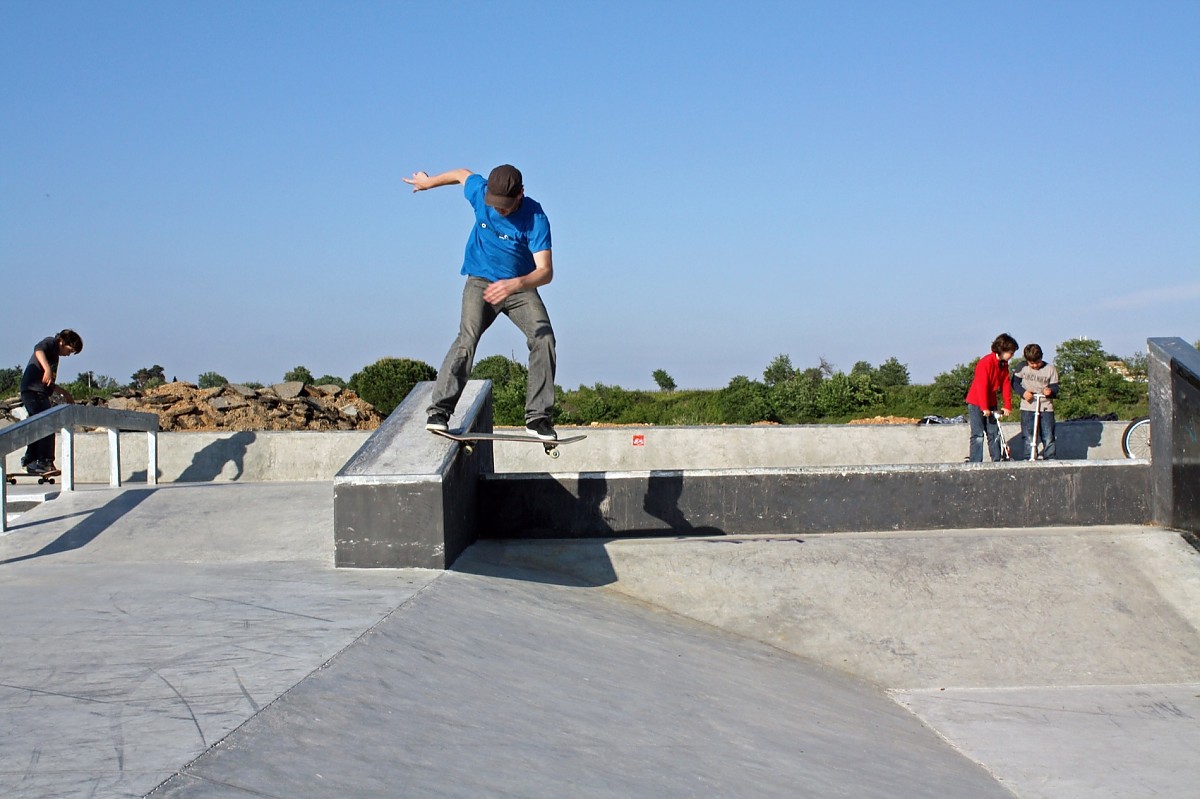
x=44 y=477
x=470 y=438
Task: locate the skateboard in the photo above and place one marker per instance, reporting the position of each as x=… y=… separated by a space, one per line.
x=469 y=439
x=44 y=477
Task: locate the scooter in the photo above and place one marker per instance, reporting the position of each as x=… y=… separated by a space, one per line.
x=1037 y=418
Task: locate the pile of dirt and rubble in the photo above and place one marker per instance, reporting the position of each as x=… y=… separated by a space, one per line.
x=286 y=406
x=885 y=420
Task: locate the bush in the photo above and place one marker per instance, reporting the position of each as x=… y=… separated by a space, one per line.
x=89 y=384
x=298 y=375
x=795 y=399
x=10 y=381
x=892 y=373
x=329 y=380
x=509 y=380
x=211 y=380
x=388 y=381
x=598 y=403
x=1088 y=386
x=745 y=401
x=844 y=395
x=950 y=388
x=148 y=378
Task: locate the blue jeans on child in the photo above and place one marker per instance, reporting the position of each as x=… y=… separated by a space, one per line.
x=1045 y=433
x=983 y=428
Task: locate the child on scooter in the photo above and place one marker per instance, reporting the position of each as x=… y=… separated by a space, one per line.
x=991 y=375
x=1037 y=382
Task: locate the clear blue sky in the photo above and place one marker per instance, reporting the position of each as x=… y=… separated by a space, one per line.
x=216 y=186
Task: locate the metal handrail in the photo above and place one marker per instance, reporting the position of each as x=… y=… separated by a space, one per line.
x=64 y=419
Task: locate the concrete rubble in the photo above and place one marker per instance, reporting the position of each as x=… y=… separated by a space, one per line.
x=184 y=406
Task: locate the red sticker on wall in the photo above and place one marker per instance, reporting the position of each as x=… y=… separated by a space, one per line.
x=639 y=440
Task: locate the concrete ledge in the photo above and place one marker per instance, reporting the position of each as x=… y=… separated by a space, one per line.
x=715 y=502
x=791 y=446
x=291 y=456
x=408 y=498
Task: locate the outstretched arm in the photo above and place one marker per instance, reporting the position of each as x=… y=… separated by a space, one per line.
x=420 y=181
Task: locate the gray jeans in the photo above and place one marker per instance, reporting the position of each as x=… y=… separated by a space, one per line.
x=527 y=312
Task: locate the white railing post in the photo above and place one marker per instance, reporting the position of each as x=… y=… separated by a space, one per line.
x=3 y=496
x=152 y=458
x=114 y=457
x=68 y=458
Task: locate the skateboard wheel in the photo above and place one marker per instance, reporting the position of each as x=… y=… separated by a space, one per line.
x=469 y=448
x=553 y=452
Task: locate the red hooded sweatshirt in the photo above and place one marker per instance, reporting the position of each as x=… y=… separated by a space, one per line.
x=991 y=375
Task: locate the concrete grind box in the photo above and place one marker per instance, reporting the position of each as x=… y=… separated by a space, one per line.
x=408 y=498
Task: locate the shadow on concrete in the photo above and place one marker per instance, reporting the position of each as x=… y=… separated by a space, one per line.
x=663 y=492
x=86 y=531
x=208 y=463
x=577 y=563
x=1080 y=437
x=590 y=505
x=570 y=564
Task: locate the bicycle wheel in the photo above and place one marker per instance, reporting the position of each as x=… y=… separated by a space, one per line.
x=1135 y=441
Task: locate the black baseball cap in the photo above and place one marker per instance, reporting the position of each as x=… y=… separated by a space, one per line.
x=504 y=187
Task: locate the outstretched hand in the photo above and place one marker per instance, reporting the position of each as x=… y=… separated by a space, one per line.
x=419 y=181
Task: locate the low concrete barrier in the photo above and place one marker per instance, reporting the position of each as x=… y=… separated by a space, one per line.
x=298 y=456
x=789 y=446
x=819 y=500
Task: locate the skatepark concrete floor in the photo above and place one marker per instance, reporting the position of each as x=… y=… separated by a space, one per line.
x=194 y=640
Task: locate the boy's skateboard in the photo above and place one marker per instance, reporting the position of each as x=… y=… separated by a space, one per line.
x=469 y=439
x=44 y=477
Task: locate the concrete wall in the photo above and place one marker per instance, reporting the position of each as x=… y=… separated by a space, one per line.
x=297 y=456
x=788 y=446
x=818 y=500
x=1174 y=369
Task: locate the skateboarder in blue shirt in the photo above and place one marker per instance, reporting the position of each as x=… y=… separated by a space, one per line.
x=507 y=258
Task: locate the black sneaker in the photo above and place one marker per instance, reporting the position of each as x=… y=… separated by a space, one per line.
x=438 y=421
x=542 y=429
x=38 y=467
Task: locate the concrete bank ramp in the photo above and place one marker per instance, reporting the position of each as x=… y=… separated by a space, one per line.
x=195 y=641
x=1066 y=661
x=141 y=626
x=499 y=683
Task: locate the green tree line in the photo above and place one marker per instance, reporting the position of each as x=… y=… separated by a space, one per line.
x=786 y=394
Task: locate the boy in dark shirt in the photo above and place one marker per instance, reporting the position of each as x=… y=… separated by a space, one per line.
x=38 y=388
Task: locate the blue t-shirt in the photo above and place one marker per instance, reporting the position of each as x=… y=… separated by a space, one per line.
x=501 y=247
